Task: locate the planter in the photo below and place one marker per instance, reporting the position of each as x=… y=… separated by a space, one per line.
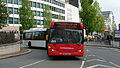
x=11 y=48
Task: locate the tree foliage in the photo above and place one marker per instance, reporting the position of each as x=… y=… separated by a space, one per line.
x=26 y=16
x=59 y=17
x=114 y=26
x=47 y=16
x=3 y=14
x=87 y=14
x=91 y=16
x=100 y=26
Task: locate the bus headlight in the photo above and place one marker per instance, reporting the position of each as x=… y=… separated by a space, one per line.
x=79 y=50
x=49 y=47
x=53 y=49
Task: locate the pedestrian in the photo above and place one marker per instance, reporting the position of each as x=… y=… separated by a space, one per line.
x=16 y=36
x=109 y=38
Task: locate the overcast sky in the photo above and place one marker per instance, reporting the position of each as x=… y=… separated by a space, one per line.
x=111 y=5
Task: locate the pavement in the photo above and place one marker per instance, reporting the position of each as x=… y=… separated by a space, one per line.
x=21 y=52
x=102 y=44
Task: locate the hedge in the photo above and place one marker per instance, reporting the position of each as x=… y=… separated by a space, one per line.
x=7 y=37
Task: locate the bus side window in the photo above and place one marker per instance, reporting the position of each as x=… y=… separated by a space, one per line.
x=28 y=36
x=36 y=35
x=43 y=35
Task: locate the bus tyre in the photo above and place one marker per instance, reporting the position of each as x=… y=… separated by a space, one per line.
x=29 y=44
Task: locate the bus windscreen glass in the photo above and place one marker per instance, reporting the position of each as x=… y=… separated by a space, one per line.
x=71 y=36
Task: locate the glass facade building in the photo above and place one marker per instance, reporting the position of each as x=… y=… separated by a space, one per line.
x=57 y=7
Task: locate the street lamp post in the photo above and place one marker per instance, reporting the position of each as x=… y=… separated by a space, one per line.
x=119 y=29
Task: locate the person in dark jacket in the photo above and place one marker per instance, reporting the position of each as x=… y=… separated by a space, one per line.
x=109 y=38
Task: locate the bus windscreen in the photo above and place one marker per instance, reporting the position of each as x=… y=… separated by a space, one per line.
x=66 y=36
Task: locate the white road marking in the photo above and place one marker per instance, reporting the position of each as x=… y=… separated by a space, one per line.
x=116 y=50
x=106 y=48
x=96 y=60
x=32 y=63
x=83 y=62
x=91 y=55
x=115 y=64
x=95 y=66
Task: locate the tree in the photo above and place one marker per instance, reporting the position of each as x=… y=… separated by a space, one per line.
x=47 y=16
x=59 y=17
x=3 y=14
x=26 y=16
x=100 y=26
x=92 y=16
x=88 y=14
x=114 y=26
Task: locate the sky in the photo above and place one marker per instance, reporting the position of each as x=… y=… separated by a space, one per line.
x=111 y=5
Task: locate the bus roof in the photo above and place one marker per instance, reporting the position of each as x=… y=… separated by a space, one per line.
x=35 y=29
x=66 y=22
x=80 y=27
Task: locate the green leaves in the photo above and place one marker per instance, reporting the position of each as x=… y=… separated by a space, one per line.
x=7 y=37
x=47 y=16
x=3 y=14
x=91 y=16
x=26 y=16
x=59 y=17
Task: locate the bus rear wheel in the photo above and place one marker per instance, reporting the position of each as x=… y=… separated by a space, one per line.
x=29 y=44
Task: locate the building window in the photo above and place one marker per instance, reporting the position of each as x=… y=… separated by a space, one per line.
x=33 y=4
x=15 y=10
x=20 y=2
x=41 y=5
x=4 y=1
x=16 y=21
x=38 y=5
x=63 y=11
x=63 y=18
x=38 y=22
x=34 y=12
x=15 y=1
x=41 y=14
x=53 y=8
x=37 y=13
x=10 y=1
x=50 y=1
x=41 y=22
x=10 y=10
x=10 y=20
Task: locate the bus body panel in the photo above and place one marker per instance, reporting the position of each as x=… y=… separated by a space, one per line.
x=63 y=50
x=36 y=36
x=36 y=43
x=60 y=32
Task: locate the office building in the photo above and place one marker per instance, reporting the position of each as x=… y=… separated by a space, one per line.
x=108 y=19
x=57 y=7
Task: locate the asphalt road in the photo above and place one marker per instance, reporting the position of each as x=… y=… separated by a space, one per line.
x=95 y=57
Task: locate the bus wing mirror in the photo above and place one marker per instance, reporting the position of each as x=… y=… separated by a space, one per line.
x=46 y=37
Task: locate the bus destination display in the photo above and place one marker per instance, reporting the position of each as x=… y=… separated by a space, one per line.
x=66 y=25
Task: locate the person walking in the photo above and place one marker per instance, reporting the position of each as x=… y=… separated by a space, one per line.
x=109 y=38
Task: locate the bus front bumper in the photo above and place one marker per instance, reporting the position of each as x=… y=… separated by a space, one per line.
x=57 y=53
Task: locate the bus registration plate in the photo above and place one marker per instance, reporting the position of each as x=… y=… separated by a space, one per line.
x=67 y=54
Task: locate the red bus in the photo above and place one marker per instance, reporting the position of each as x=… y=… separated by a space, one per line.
x=66 y=39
